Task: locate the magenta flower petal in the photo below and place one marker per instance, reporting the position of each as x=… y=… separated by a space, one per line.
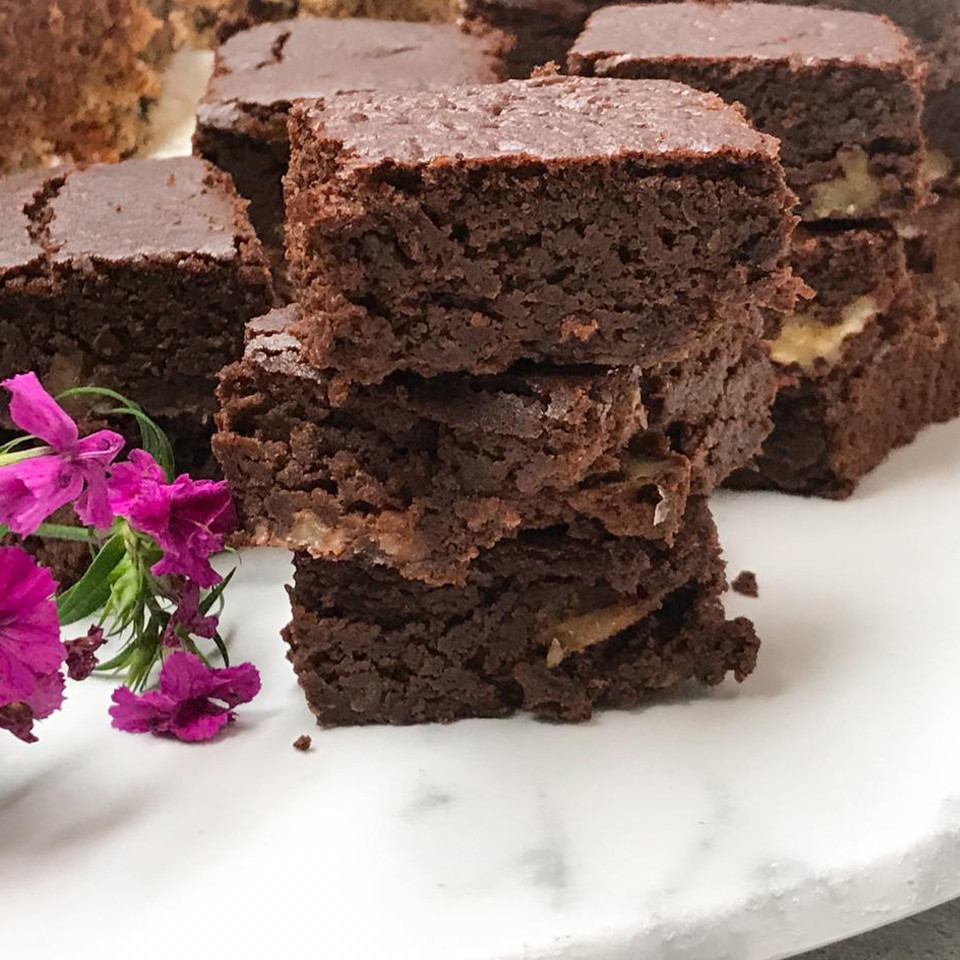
x=145 y=713
x=135 y=482
x=187 y=518
x=48 y=697
x=30 y=647
x=193 y=726
x=31 y=490
x=34 y=411
x=194 y=701
x=188 y=616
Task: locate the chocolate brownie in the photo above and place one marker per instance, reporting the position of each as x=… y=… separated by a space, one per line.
x=138 y=276
x=564 y=220
x=855 y=275
x=861 y=363
x=934 y=25
x=242 y=120
x=73 y=79
x=422 y=474
x=557 y=622
x=835 y=425
x=843 y=91
x=932 y=241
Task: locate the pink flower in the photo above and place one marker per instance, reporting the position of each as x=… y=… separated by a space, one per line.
x=194 y=701
x=19 y=717
x=188 y=616
x=30 y=647
x=82 y=653
x=188 y=518
x=74 y=472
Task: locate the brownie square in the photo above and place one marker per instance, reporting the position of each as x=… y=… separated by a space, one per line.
x=832 y=426
x=866 y=363
x=934 y=25
x=74 y=80
x=138 y=276
x=842 y=90
x=564 y=220
x=854 y=275
x=420 y=475
x=242 y=119
x=557 y=623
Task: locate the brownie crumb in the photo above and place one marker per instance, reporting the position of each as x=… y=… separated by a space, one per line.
x=746 y=584
x=303 y=743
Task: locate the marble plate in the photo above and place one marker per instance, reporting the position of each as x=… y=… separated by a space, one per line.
x=819 y=799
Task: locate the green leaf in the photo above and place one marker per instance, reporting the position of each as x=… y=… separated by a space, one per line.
x=222 y=647
x=216 y=593
x=153 y=439
x=92 y=590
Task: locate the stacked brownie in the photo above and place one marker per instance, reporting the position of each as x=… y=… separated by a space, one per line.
x=526 y=344
x=259 y=73
x=843 y=91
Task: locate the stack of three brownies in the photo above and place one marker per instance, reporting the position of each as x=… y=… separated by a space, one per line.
x=526 y=343
x=869 y=358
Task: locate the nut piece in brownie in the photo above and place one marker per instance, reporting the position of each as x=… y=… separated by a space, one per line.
x=557 y=623
x=842 y=90
x=73 y=79
x=834 y=427
x=561 y=219
x=855 y=275
x=138 y=276
x=862 y=365
x=242 y=119
x=421 y=474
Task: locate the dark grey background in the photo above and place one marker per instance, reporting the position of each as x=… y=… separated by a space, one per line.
x=931 y=936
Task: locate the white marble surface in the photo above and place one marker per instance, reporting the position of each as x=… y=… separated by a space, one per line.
x=819 y=799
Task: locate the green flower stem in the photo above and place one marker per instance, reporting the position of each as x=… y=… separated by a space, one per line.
x=59 y=531
x=16 y=456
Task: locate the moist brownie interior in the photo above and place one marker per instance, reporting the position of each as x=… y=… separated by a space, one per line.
x=556 y=622
x=566 y=220
x=421 y=474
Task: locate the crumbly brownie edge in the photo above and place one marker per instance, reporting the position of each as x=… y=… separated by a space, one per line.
x=380 y=312
x=528 y=449
x=541 y=644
